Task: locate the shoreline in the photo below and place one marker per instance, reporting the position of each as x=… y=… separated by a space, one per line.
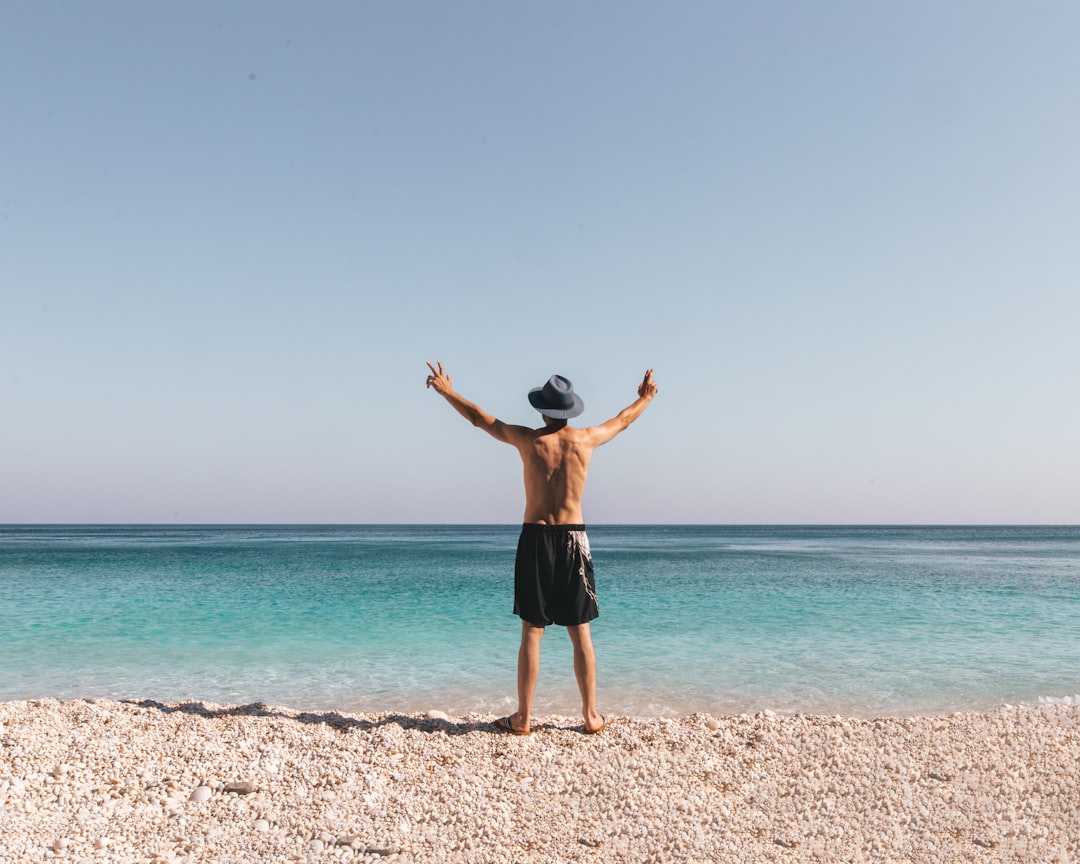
x=563 y=700
x=103 y=780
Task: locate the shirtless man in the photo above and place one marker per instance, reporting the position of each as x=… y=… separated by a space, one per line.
x=553 y=572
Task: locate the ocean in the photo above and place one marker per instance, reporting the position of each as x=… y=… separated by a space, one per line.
x=860 y=621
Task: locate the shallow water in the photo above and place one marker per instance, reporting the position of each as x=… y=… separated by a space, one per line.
x=852 y=620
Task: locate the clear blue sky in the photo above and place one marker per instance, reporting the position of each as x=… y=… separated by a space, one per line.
x=845 y=234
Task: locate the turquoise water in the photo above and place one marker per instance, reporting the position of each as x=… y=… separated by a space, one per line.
x=829 y=620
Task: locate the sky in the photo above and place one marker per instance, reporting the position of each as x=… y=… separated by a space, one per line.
x=843 y=234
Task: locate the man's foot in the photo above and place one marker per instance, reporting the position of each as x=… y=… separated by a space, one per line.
x=506 y=724
x=594 y=730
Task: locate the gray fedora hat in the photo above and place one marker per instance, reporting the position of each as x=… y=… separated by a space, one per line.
x=557 y=399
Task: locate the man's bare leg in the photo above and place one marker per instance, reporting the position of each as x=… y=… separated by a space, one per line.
x=585 y=672
x=528 y=673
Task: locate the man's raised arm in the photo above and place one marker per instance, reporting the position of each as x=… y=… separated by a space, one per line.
x=440 y=382
x=606 y=431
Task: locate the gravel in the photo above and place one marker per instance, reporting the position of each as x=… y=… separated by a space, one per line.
x=96 y=781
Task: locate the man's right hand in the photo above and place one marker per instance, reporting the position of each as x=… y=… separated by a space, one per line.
x=648 y=386
x=439 y=379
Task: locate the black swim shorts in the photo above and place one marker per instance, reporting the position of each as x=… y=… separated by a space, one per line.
x=553 y=576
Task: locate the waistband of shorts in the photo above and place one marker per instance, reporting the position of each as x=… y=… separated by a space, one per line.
x=549 y=529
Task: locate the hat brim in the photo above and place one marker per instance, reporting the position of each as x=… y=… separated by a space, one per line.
x=536 y=399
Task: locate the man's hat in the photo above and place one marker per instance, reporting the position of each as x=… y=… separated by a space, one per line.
x=557 y=399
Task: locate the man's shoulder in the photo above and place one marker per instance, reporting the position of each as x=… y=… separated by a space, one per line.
x=515 y=433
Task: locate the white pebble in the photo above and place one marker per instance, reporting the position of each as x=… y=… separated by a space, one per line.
x=1000 y=782
x=200 y=794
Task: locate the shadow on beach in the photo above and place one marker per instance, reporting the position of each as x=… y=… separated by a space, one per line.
x=333 y=719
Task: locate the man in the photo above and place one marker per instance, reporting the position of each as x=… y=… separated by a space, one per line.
x=553 y=572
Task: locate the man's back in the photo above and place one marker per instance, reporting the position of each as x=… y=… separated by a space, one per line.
x=556 y=464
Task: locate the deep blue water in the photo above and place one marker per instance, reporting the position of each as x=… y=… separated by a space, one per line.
x=854 y=620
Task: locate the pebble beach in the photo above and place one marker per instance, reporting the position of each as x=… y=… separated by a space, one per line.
x=147 y=781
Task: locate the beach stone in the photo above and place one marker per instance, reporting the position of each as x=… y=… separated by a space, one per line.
x=437 y=715
x=240 y=787
x=199 y=795
x=808 y=789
